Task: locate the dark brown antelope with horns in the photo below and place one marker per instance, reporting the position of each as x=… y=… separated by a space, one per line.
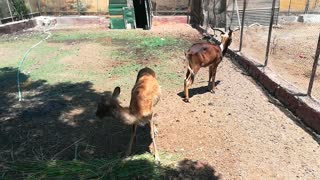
x=144 y=96
x=206 y=54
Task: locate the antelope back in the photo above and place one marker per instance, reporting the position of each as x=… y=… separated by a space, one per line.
x=145 y=93
x=203 y=54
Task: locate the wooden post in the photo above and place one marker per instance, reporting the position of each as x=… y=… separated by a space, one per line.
x=314 y=68
x=306 y=9
x=97 y=7
x=270 y=33
x=10 y=10
x=289 y=9
x=78 y=7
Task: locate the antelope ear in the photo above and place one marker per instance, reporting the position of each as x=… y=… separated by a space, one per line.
x=116 y=92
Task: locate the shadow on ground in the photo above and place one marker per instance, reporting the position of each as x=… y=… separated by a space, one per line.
x=109 y=169
x=58 y=122
x=197 y=90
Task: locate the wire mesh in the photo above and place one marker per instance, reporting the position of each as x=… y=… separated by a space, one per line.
x=256 y=21
x=293 y=40
x=292 y=44
x=293 y=48
x=169 y=7
x=4 y=10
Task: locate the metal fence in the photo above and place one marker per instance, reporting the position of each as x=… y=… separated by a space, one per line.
x=84 y=7
x=286 y=44
x=53 y=7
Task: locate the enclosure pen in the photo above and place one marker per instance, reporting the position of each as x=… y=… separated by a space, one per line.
x=62 y=115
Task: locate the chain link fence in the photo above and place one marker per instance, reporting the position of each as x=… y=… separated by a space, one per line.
x=288 y=48
x=169 y=7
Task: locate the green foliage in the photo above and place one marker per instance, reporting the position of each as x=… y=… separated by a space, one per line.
x=19 y=8
x=80 y=6
x=136 y=167
x=125 y=69
x=154 y=42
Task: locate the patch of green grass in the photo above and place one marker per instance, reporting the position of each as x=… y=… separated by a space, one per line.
x=125 y=69
x=62 y=37
x=155 y=42
x=130 y=48
x=136 y=167
x=167 y=76
x=44 y=63
x=132 y=44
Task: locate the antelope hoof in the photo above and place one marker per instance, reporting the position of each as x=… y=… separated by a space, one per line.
x=212 y=91
x=186 y=100
x=157 y=159
x=156 y=131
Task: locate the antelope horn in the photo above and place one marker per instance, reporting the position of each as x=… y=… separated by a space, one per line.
x=237 y=29
x=215 y=29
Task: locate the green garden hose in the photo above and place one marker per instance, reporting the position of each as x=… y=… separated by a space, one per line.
x=23 y=59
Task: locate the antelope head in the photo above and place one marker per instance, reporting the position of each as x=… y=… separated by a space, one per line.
x=108 y=104
x=226 y=38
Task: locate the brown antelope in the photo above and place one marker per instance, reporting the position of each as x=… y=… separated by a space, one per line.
x=144 y=96
x=205 y=54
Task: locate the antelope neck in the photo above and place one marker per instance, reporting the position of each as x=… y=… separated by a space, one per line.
x=224 y=46
x=124 y=115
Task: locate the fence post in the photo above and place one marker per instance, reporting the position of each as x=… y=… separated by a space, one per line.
x=314 y=68
x=270 y=32
x=10 y=10
x=59 y=8
x=39 y=8
x=97 y=7
x=242 y=23
x=78 y=7
x=30 y=8
x=289 y=9
x=46 y=8
x=306 y=10
x=189 y=11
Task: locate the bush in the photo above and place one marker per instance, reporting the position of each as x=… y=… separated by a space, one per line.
x=19 y=8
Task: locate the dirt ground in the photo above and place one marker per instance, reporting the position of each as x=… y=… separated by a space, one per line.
x=240 y=131
x=292 y=51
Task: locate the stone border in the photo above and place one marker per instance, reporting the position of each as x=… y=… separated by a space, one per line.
x=12 y=27
x=301 y=105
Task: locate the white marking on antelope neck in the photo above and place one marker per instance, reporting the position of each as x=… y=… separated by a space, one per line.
x=221 y=47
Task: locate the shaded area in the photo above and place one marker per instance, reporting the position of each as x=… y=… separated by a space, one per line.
x=140 y=168
x=58 y=122
x=197 y=90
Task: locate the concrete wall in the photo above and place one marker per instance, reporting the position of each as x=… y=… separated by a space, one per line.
x=17 y=26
